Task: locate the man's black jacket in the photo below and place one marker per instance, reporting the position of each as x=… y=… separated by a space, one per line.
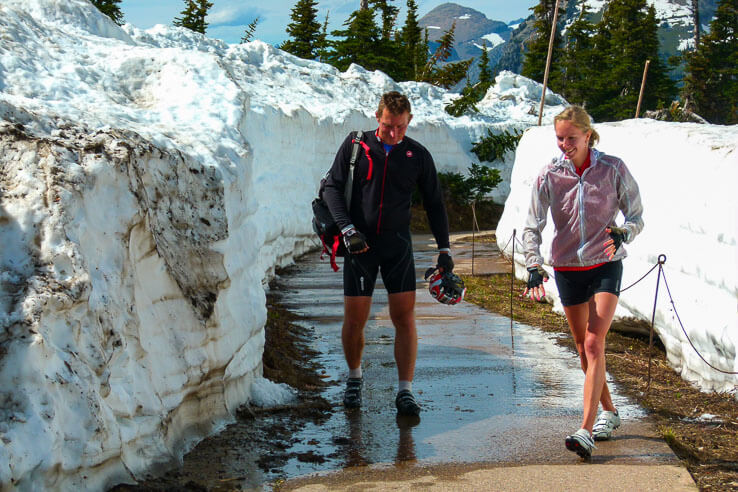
x=383 y=187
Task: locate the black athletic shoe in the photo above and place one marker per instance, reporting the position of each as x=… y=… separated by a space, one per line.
x=406 y=404
x=352 y=394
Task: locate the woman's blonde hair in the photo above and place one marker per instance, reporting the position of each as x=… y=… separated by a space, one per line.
x=579 y=118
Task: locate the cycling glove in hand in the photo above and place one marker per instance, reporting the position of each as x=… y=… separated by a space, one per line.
x=355 y=241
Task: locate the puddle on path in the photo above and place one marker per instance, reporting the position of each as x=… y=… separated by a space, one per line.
x=489 y=393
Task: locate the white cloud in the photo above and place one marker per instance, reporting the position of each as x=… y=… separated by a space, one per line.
x=234 y=15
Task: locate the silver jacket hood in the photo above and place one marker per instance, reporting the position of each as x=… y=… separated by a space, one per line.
x=581 y=209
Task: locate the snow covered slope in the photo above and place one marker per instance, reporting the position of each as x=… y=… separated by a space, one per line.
x=151 y=181
x=686 y=173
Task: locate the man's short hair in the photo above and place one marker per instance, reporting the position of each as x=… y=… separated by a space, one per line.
x=395 y=103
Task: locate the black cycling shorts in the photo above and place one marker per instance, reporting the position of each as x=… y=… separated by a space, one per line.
x=390 y=253
x=576 y=287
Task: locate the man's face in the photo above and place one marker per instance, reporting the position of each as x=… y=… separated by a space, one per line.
x=392 y=127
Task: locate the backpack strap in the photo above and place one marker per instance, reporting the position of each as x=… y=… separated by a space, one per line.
x=354 y=157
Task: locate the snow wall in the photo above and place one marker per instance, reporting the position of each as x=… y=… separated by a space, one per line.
x=150 y=184
x=686 y=174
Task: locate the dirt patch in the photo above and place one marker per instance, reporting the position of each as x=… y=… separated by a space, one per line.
x=460 y=217
x=708 y=446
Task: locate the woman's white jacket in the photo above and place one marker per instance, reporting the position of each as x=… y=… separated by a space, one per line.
x=581 y=209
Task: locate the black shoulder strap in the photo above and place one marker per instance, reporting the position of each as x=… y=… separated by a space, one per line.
x=355 y=151
x=354 y=158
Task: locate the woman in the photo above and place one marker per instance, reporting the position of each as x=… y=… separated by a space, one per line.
x=584 y=190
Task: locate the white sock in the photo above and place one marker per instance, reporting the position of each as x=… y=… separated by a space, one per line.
x=406 y=385
x=355 y=373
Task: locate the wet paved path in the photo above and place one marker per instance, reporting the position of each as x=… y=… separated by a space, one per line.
x=490 y=394
x=497 y=404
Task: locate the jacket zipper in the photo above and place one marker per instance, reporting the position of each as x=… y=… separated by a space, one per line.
x=381 y=198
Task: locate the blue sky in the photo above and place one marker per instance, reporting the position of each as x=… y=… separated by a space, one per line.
x=229 y=18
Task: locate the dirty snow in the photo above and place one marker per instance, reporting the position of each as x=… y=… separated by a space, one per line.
x=152 y=181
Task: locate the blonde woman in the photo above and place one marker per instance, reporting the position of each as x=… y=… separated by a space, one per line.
x=585 y=190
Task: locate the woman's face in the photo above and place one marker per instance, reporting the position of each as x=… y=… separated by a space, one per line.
x=572 y=141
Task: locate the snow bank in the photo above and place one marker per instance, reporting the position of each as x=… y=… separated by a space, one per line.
x=687 y=174
x=151 y=182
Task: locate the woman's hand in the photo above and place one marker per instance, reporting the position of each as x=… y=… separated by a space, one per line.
x=536 y=276
x=617 y=237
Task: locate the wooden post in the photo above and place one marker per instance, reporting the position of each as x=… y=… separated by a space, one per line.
x=643 y=86
x=474 y=222
x=548 y=61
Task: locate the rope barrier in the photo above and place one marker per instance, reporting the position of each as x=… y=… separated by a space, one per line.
x=659 y=264
x=685 y=331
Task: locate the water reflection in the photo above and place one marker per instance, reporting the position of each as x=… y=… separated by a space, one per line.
x=405 y=442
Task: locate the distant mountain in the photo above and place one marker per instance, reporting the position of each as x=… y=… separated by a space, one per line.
x=506 y=41
x=473 y=30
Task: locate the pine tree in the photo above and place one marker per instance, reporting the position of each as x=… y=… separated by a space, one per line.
x=534 y=64
x=711 y=80
x=322 y=48
x=388 y=46
x=359 y=44
x=485 y=72
x=696 y=21
x=627 y=37
x=110 y=8
x=472 y=94
x=304 y=30
x=193 y=16
x=577 y=60
x=447 y=75
x=413 y=51
x=389 y=16
x=250 y=30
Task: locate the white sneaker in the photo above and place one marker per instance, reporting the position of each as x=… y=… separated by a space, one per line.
x=581 y=443
x=605 y=424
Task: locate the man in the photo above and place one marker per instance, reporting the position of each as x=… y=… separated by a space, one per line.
x=376 y=233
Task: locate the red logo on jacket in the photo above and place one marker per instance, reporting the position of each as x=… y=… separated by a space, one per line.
x=409 y=153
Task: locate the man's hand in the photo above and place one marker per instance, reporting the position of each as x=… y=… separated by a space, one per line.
x=445 y=263
x=536 y=276
x=617 y=237
x=355 y=242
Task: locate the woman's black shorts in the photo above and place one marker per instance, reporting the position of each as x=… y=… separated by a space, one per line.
x=392 y=254
x=576 y=287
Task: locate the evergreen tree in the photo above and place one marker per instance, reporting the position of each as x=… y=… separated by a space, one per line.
x=193 y=16
x=359 y=44
x=472 y=94
x=388 y=46
x=627 y=37
x=695 y=4
x=485 y=72
x=250 y=30
x=304 y=30
x=577 y=60
x=322 y=48
x=447 y=75
x=534 y=64
x=389 y=16
x=413 y=52
x=711 y=81
x=110 y=8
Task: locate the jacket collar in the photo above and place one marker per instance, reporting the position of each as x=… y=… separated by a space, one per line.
x=594 y=156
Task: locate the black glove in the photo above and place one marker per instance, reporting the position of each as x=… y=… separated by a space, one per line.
x=536 y=276
x=354 y=241
x=618 y=235
x=445 y=262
